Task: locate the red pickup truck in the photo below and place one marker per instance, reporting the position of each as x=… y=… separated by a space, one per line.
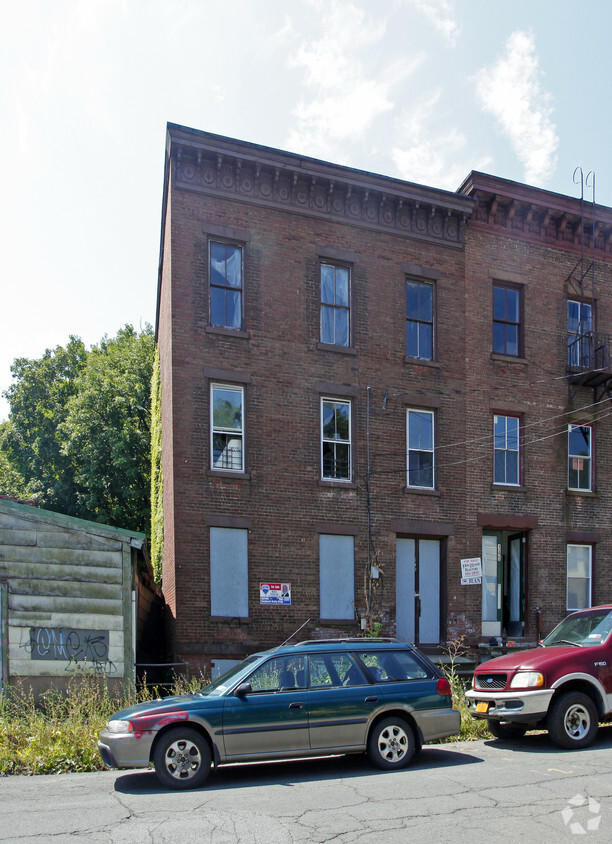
x=564 y=685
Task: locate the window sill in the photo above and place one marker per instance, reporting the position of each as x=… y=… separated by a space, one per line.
x=228 y=332
x=434 y=364
x=337 y=484
x=509 y=358
x=508 y=487
x=342 y=350
x=233 y=476
x=228 y=619
x=581 y=493
x=416 y=490
x=337 y=622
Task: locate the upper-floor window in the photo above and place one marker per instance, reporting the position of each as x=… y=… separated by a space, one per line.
x=419 y=319
x=579 y=334
x=506 y=450
x=335 y=305
x=506 y=320
x=420 y=448
x=579 y=451
x=335 y=440
x=227 y=427
x=225 y=281
x=579 y=564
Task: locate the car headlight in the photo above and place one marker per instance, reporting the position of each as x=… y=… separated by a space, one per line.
x=527 y=680
x=119 y=727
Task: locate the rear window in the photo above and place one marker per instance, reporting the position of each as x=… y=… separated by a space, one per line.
x=393 y=666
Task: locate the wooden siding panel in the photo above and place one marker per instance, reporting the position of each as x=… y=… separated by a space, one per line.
x=12 y=536
x=35 y=603
x=83 y=574
x=61 y=556
x=65 y=589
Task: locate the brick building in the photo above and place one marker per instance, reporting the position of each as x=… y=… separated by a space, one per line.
x=366 y=382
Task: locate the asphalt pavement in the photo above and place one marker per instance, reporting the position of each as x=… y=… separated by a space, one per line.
x=469 y=791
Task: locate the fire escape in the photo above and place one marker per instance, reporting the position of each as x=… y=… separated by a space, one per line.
x=588 y=350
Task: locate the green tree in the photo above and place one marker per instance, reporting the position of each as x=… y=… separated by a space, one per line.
x=106 y=433
x=31 y=442
x=77 y=438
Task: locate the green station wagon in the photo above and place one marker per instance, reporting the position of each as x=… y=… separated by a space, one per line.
x=315 y=698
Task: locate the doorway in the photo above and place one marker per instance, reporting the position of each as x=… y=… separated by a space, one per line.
x=503 y=583
x=417 y=587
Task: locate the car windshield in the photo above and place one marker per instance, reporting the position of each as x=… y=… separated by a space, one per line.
x=583 y=630
x=219 y=686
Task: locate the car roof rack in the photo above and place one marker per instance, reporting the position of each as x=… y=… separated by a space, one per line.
x=360 y=639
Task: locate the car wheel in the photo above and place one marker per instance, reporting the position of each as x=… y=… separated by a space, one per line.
x=572 y=720
x=391 y=743
x=182 y=758
x=505 y=729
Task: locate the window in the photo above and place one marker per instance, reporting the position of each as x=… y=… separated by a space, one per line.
x=227 y=440
x=335 y=305
x=337 y=577
x=229 y=572
x=579 y=334
x=393 y=666
x=506 y=450
x=579 y=576
x=579 y=457
x=279 y=674
x=225 y=279
x=419 y=319
x=334 y=670
x=420 y=438
x=336 y=440
x=506 y=320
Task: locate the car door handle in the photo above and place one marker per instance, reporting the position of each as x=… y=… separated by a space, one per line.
x=371 y=699
x=296 y=705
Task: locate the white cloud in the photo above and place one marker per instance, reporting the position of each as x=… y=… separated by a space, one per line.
x=440 y=14
x=511 y=91
x=430 y=156
x=347 y=96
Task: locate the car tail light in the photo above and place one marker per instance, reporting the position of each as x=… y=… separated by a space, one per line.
x=443 y=686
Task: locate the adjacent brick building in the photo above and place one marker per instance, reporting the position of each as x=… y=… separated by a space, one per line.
x=366 y=382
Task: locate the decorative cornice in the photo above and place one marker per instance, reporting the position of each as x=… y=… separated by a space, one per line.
x=537 y=215
x=249 y=173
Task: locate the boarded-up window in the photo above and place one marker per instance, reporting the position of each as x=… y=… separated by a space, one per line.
x=229 y=572
x=337 y=576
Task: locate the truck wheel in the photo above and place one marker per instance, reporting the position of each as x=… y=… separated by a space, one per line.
x=391 y=744
x=182 y=758
x=506 y=729
x=572 y=720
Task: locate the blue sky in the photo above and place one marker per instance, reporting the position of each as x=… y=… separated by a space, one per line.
x=424 y=90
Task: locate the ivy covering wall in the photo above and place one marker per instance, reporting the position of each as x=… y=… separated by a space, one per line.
x=157 y=481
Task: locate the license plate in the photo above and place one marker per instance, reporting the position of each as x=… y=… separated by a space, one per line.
x=482 y=707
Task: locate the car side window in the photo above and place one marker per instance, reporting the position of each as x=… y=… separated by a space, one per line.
x=279 y=674
x=339 y=669
x=393 y=666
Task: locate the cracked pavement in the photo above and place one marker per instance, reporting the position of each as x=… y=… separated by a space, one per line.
x=482 y=790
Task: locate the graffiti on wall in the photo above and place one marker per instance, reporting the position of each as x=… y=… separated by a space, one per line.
x=80 y=649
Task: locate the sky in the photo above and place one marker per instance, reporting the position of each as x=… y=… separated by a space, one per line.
x=422 y=90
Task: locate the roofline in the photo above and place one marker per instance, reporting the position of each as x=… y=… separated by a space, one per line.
x=477 y=180
x=37 y=514
x=315 y=166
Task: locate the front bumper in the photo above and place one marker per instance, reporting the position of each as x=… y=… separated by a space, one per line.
x=519 y=706
x=125 y=750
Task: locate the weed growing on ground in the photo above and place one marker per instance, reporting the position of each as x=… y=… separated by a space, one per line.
x=471 y=728
x=58 y=732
